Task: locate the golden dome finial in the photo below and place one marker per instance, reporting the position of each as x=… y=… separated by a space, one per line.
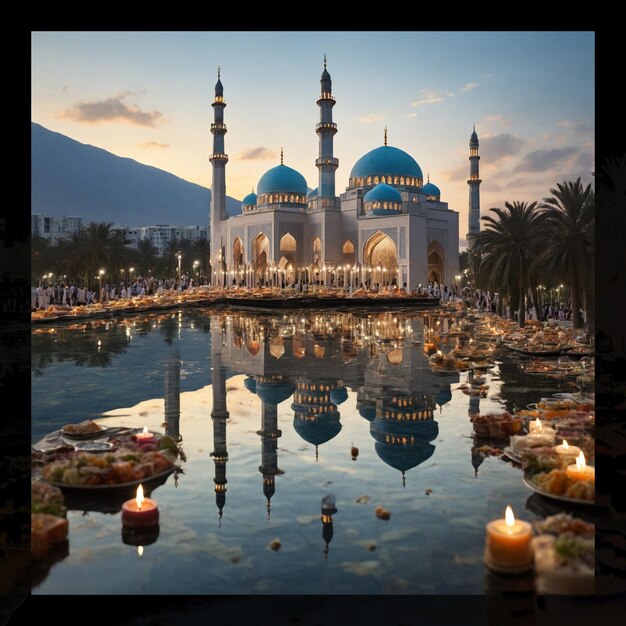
x=219 y=71
x=428 y=177
x=281 y=155
x=324 y=60
x=385 y=135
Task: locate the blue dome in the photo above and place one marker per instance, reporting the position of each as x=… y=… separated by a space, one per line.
x=431 y=190
x=368 y=412
x=250 y=384
x=339 y=395
x=282 y=178
x=274 y=392
x=383 y=193
x=444 y=396
x=386 y=160
x=318 y=431
x=249 y=199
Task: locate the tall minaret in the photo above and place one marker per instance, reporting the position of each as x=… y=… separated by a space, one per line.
x=269 y=450
x=219 y=416
x=218 y=159
x=172 y=395
x=326 y=129
x=474 y=192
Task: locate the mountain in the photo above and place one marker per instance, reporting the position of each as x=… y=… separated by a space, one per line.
x=75 y=179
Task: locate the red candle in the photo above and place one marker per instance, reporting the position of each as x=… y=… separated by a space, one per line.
x=140 y=512
x=145 y=437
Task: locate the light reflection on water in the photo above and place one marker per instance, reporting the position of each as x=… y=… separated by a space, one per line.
x=269 y=411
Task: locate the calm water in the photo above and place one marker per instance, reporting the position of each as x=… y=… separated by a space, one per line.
x=269 y=409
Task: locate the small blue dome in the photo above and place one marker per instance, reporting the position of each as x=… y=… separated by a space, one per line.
x=339 y=395
x=282 y=178
x=383 y=193
x=386 y=160
x=431 y=190
x=249 y=199
x=274 y=392
x=312 y=194
x=444 y=396
x=250 y=384
x=320 y=430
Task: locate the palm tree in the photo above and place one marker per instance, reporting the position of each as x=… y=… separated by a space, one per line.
x=146 y=255
x=103 y=249
x=567 y=240
x=200 y=252
x=170 y=260
x=506 y=247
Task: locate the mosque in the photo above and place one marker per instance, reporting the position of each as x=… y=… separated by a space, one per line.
x=388 y=227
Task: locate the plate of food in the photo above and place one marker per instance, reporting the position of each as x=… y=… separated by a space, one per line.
x=545 y=489
x=85 y=430
x=510 y=454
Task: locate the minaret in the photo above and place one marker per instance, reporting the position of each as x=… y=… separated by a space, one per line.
x=172 y=395
x=474 y=192
x=269 y=450
x=219 y=416
x=326 y=129
x=218 y=159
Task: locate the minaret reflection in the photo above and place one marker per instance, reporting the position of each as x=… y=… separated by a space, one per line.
x=172 y=395
x=219 y=416
x=269 y=450
x=328 y=510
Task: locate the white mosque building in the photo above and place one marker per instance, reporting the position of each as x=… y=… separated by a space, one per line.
x=388 y=227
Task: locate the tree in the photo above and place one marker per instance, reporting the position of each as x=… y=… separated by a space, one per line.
x=567 y=247
x=41 y=257
x=507 y=248
x=146 y=255
x=103 y=249
x=200 y=252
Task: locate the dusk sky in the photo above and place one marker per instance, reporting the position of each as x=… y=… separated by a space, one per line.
x=147 y=96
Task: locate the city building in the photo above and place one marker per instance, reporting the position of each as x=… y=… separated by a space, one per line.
x=388 y=227
x=55 y=228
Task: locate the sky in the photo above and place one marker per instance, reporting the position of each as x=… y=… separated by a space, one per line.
x=147 y=96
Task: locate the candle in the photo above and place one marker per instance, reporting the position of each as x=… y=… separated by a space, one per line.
x=507 y=546
x=140 y=512
x=565 y=450
x=145 y=436
x=581 y=471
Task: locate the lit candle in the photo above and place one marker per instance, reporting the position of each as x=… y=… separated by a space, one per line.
x=581 y=471
x=537 y=428
x=140 y=512
x=507 y=547
x=145 y=436
x=565 y=450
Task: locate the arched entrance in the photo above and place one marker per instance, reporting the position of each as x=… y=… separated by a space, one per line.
x=260 y=256
x=435 y=262
x=238 y=256
x=288 y=247
x=317 y=249
x=349 y=256
x=381 y=254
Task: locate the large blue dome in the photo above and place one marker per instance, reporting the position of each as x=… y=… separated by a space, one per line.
x=381 y=193
x=282 y=178
x=384 y=161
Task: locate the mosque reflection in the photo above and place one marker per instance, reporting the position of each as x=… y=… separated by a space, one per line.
x=314 y=360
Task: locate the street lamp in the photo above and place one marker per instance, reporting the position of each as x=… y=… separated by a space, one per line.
x=179 y=257
x=100 y=275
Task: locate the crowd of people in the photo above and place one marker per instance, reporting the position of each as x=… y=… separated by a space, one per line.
x=69 y=294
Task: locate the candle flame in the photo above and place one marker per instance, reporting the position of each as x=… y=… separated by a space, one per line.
x=139 y=550
x=565 y=444
x=509 y=518
x=580 y=461
x=538 y=425
x=139 y=497
x=145 y=430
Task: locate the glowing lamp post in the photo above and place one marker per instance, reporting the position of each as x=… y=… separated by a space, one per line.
x=100 y=275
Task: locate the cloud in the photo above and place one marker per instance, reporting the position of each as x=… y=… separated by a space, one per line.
x=541 y=160
x=461 y=172
x=154 y=144
x=369 y=119
x=409 y=115
x=497 y=120
x=517 y=183
x=430 y=96
x=496 y=147
x=578 y=127
x=112 y=110
x=489 y=185
x=469 y=86
x=256 y=154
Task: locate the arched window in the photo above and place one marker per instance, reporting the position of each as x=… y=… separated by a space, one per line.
x=376 y=180
x=349 y=256
x=382 y=180
x=395 y=180
x=317 y=249
x=369 y=180
x=402 y=180
x=385 y=205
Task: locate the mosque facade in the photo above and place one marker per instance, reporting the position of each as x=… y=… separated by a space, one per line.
x=389 y=227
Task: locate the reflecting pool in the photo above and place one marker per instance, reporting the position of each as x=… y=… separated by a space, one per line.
x=296 y=427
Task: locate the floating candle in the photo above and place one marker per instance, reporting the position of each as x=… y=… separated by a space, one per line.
x=507 y=546
x=145 y=436
x=581 y=471
x=140 y=512
x=565 y=450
